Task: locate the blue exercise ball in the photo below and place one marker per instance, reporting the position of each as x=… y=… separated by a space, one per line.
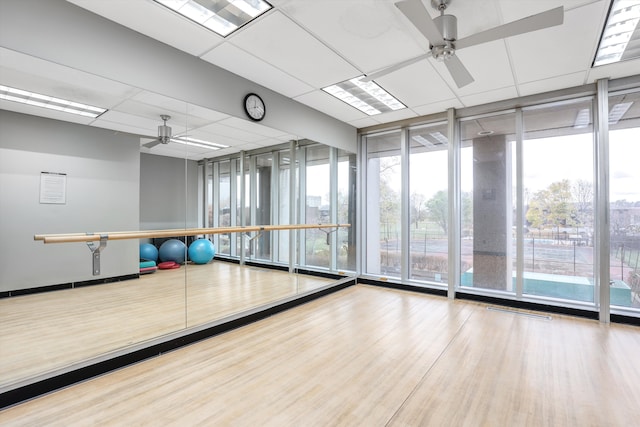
x=148 y=252
x=172 y=250
x=201 y=251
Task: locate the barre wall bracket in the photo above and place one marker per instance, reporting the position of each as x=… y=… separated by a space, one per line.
x=95 y=252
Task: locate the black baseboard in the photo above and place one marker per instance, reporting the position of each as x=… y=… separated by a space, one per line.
x=504 y=302
x=62 y=286
x=628 y=320
x=528 y=305
x=403 y=287
x=48 y=385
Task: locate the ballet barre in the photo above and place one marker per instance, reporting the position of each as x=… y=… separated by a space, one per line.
x=92 y=238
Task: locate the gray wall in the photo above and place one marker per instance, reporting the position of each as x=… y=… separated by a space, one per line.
x=103 y=173
x=166 y=199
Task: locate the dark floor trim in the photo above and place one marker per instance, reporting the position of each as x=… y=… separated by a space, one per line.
x=62 y=286
x=48 y=385
x=621 y=318
x=403 y=287
x=528 y=305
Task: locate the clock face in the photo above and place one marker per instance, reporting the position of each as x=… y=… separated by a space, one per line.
x=254 y=106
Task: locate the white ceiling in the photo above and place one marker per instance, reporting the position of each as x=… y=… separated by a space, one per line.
x=301 y=46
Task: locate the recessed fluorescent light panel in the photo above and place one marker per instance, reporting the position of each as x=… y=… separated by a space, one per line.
x=220 y=16
x=367 y=97
x=187 y=140
x=583 y=118
x=619 y=33
x=45 y=101
x=617 y=111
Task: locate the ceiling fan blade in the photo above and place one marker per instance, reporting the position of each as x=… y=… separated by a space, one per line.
x=547 y=19
x=395 y=67
x=460 y=74
x=415 y=12
x=152 y=143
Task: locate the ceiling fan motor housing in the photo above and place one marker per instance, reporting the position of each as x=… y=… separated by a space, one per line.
x=164 y=134
x=448 y=26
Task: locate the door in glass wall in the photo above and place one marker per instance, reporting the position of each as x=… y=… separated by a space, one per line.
x=487 y=202
x=558 y=201
x=624 y=197
x=317 y=207
x=428 y=203
x=382 y=205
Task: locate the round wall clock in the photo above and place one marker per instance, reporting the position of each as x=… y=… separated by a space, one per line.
x=254 y=107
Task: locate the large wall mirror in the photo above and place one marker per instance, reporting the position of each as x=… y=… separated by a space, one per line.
x=58 y=316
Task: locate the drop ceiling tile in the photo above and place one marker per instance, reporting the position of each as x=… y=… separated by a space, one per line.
x=614 y=71
x=36 y=75
x=44 y=112
x=559 y=50
x=437 y=107
x=552 y=83
x=221 y=131
x=156 y=21
x=370 y=33
x=490 y=96
x=416 y=84
x=330 y=105
x=363 y=123
x=256 y=128
x=246 y=65
x=276 y=39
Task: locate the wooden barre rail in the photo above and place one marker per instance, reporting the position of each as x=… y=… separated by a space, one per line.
x=144 y=234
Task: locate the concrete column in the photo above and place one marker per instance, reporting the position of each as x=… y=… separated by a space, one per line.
x=492 y=207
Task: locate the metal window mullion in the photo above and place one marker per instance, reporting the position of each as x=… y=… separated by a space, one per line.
x=361 y=189
x=519 y=204
x=292 y=206
x=275 y=205
x=253 y=190
x=215 y=200
x=454 y=200
x=242 y=204
x=302 y=208
x=405 y=209
x=602 y=234
x=233 y=203
x=333 y=203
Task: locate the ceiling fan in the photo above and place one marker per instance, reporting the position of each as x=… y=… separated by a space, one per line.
x=442 y=34
x=164 y=133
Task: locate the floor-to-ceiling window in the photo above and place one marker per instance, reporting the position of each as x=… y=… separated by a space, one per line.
x=224 y=205
x=317 y=207
x=558 y=193
x=346 y=210
x=624 y=197
x=428 y=203
x=382 y=205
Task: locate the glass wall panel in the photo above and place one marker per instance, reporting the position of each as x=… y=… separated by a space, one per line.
x=224 y=206
x=487 y=202
x=558 y=171
x=263 y=196
x=317 y=207
x=428 y=203
x=624 y=196
x=284 y=205
x=382 y=205
x=346 y=210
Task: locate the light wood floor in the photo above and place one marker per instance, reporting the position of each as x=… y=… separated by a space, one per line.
x=48 y=331
x=368 y=356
